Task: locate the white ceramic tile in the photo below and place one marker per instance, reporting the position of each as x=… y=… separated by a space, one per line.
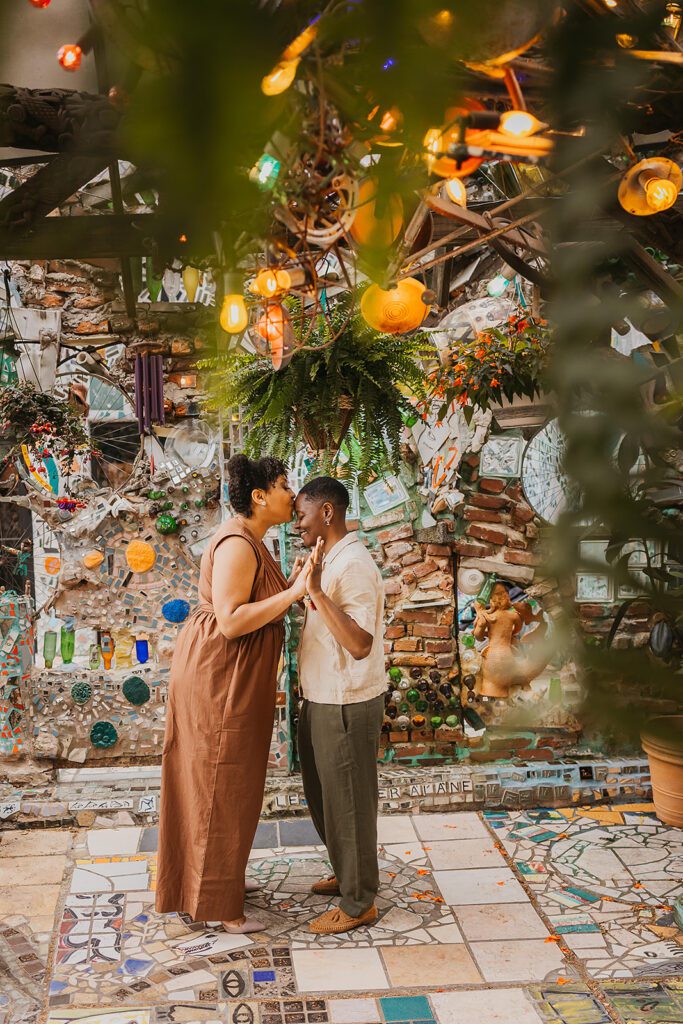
x=518 y=960
x=445 y=854
x=584 y=940
x=479 y=885
x=122 y=876
x=499 y=1006
x=496 y=921
x=407 y=852
x=338 y=970
x=353 y=1011
x=113 y=842
x=458 y=825
x=395 y=829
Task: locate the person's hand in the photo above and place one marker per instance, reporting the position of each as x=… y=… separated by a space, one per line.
x=297 y=589
x=314 y=579
x=299 y=563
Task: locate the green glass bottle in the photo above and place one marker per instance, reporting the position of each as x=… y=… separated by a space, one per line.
x=484 y=595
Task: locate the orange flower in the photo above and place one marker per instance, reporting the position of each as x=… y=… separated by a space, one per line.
x=495 y=382
x=458 y=380
x=480 y=353
x=462 y=399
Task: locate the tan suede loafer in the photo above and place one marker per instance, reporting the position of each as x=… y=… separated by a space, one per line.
x=335 y=921
x=326 y=887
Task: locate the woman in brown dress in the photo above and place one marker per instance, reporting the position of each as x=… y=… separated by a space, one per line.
x=221 y=704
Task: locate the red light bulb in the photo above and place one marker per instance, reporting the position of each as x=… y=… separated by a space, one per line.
x=40 y=3
x=70 y=56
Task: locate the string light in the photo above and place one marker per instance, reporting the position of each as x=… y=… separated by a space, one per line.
x=40 y=3
x=456 y=191
x=234 y=317
x=70 y=56
x=519 y=124
x=270 y=282
x=265 y=171
x=280 y=78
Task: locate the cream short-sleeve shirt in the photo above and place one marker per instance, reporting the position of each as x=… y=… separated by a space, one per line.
x=328 y=674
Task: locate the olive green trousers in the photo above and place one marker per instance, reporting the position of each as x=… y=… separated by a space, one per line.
x=338 y=746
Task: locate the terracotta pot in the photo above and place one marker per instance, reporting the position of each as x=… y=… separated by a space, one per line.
x=662 y=741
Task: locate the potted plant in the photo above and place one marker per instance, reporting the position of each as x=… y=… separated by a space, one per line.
x=343 y=377
x=501 y=368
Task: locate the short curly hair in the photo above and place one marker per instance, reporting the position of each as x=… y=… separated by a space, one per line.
x=247 y=475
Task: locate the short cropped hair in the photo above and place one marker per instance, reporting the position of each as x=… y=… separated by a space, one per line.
x=326 y=488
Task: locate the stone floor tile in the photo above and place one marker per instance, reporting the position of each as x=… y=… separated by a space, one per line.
x=493 y=1006
x=101 y=1016
x=496 y=921
x=266 y=836
x=396 y=828
x=37 y=900
x=445 y=854
x=405 y=1008
x=423 y=966
x=339 y=970
x=33 y=843
x=519 y=960
x=479 y=885
x=23 y=871
x=298 y=832
x=354 y=1011
x=150 y=840
x=457 y=825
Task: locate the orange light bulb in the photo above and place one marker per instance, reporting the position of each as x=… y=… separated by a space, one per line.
x=280 y=78
x=70 y=56
x=456 y=191
x=519 y=124
x=660 y=193
x=40 y=3
x=234 y=317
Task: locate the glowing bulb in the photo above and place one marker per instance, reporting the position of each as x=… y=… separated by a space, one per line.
x=611 y=3
x=265 y=171
x=497 y=285
x=456 y=191
x=280 y=78
x=302 y=41
x=660 y=193
x=70 y=56
x=269 y=283
x=191 y=279
x=40 y=3
x=234 y=317
x=519 y=123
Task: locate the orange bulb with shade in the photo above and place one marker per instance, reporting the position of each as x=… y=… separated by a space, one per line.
x=269 y=282
x=396 y=310
x=519 y=124
x=437 y=142
x=456 y=191
x=376 y=230
x=280 y=78
x=70 y=56
x=650 y=186
x=274 y=327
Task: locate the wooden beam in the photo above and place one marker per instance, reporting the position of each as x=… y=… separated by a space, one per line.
x=48 y=189
x=92 y=237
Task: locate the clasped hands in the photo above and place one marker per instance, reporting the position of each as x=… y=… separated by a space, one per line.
x=306 y=575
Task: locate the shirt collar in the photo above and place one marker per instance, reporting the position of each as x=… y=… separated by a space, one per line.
x=337 y=548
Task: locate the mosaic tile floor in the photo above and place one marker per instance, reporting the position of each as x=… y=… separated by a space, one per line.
x=564 y=916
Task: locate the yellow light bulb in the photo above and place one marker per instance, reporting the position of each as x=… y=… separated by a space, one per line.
x=234 y=317
x=519 y=123
x=456 y=191
x=269 y=283
x=280 y=78
x=302 y=42
x=660 y=193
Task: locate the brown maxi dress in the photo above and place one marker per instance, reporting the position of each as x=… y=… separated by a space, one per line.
x=221 y=705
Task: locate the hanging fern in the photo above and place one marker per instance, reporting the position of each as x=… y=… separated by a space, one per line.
x=356 y=387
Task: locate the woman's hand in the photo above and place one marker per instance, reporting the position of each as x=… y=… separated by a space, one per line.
x=297 y=589
x=299 y=563
x=314 y=580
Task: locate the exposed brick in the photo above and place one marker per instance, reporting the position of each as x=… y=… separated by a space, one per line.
x=398 y=737
x=410 y=749
x=539 y=754
x=440 y=550
x=88 y=327
x=483 y=515
x=491 y=501
x=521 y=513
x=48 y=301
x=394 y=632
x=414 y=660
x=412 y=559
x=70 y=268
x=89 y=302
x=416 y=615
x=531 y=530
x=407 y=643
x=515 y=490
x=520 y=557
x=426 y=569
x=433 y=632
x=421 y=735
x=408 y=576
x=387 y=647
x=445 y=660
x=515 y=539
x=473 y=550
x=491 y=485
x=446 y=584
x=438 y=646
x=392 y=587
x=447 y=735
x=486 y=533
x=402 y=532
x=446 y=617
x=509 y=743
x=398 y=549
